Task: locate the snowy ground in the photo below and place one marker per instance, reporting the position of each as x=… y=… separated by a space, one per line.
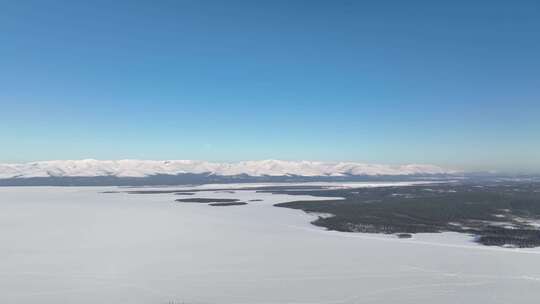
x=78 y=245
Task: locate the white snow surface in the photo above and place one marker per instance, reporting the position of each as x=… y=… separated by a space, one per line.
x=79 y=245
x=142 y=168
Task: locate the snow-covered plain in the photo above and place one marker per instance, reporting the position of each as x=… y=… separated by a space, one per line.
x=79 y=245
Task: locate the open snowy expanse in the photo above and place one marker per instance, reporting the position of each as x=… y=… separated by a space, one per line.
x=80 y=245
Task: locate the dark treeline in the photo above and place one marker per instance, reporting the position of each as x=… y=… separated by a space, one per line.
x=497 y=213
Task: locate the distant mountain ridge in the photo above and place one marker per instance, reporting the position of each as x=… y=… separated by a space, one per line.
x=147 y=168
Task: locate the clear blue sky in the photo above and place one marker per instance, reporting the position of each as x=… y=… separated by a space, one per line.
x=454 y=83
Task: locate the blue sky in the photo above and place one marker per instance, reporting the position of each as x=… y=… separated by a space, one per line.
x=453 y=83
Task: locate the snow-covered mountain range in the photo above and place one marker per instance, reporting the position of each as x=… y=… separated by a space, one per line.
x=146 y=168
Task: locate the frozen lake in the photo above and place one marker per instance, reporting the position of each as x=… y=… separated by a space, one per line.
x=78 y=245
